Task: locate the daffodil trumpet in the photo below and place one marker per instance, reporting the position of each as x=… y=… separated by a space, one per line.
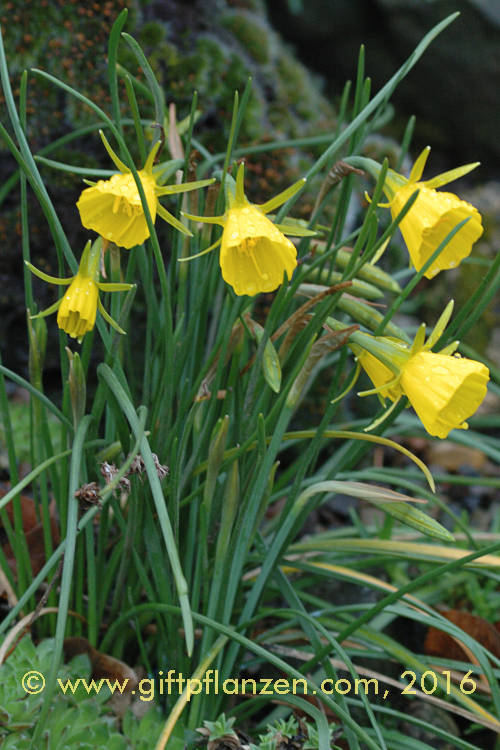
x=115 y=208
x=443 y=388
x=433 y=215
x=77 y=308
x=255 y=254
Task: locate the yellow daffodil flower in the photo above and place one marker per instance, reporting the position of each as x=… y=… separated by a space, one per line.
x=113 y=208
x=443 y=388
x=255 y=255
x=77 y=309
x=433 y=215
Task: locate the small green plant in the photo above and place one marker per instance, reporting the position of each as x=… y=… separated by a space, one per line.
x=77 y=718
x=278 y=735
x=221 y=727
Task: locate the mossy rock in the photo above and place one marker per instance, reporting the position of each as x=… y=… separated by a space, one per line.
x=252 y=33
x=209 y=46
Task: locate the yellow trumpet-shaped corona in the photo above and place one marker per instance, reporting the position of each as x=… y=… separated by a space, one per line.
x=443 y=388
x=77 y=309
x=255 y=255
x=433 y=216
x=113 y=208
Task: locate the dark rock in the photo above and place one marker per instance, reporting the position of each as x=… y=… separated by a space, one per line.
x=453 y=88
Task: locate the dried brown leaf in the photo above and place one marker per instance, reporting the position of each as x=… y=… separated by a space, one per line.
x=441 y=644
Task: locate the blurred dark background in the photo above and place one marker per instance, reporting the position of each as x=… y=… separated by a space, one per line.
x=454 y=90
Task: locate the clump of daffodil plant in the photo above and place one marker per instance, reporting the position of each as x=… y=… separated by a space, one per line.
x=113 y=208
x=255 y=255
x=77 y=308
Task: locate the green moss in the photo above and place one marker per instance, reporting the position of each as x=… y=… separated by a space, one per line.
x=152 y=33
x=69 y=41
x=299 y=96
x=252 y=33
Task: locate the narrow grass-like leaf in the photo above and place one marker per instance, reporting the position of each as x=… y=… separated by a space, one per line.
x=155 y=88
x=474 y=307
x=185 y=697
x=106 y=373
x=384 y=93
x=139 y=133
x=67 y=576
x=416 y=519
x=406 y=550
x=114 y=38
x=250 y=645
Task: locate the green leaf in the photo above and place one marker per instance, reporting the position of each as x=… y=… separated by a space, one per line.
x=115 y=387
x=416 y=519
x=271 y=367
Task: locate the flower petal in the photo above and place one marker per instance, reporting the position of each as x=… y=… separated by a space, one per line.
x=419 y=165
x=173 y=221
x=451 y=175
x=282 y=197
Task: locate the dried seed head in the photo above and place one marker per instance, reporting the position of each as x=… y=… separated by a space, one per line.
x=109 y=472
x=137 y=465
x=88 y=495
x=162 y=470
